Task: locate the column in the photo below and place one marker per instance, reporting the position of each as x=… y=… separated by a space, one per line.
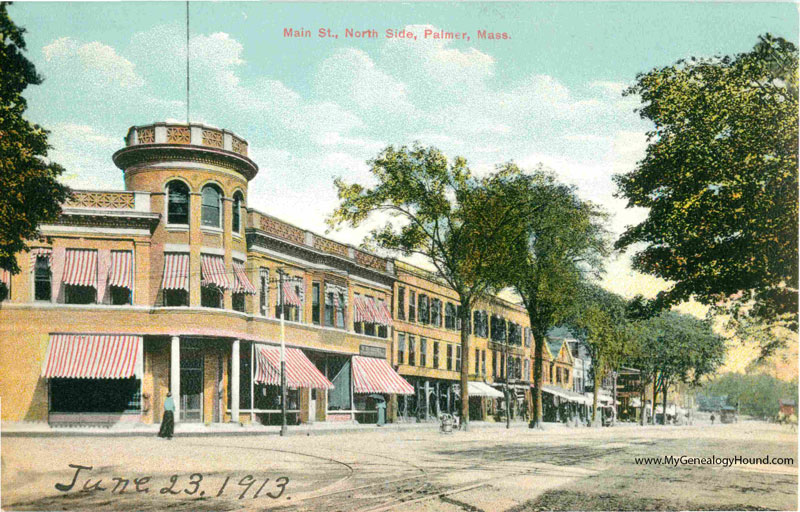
x=235 y=382
x=175 y=374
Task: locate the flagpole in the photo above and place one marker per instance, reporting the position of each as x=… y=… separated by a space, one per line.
x=283 y=354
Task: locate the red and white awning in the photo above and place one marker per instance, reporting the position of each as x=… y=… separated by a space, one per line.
x=121 y=271
x=44 y=252
x=176 y=271
x=80 y=267
x=242 y=284
x=93 y=356
x=372 y=375
x=5 y=277
x=213 y=272
x=290 y=297
x=300 y=371
x=371 y=311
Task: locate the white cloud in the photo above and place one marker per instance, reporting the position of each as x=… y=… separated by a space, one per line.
x=92 y=62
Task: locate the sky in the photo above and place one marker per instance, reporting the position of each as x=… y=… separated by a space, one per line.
x=313 y=109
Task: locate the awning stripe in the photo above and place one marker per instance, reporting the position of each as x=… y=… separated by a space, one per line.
x=242 y=284
x=80 y=267
x=121 y=271
x=385 y=314
x=300 y=371
x=476 y=388
x=93 y=356
x=372 y=375
x=290 y=297
x=213 y=272
x=176 y=271
x=44 y=252
x=359 y=313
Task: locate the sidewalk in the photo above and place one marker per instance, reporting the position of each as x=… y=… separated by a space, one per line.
x=26 y=429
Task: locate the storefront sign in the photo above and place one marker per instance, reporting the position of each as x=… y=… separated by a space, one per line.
x=372 y=351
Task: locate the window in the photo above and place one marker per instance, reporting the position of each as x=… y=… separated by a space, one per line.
x=340 y=310
x=423 y=352
x=494 y=364
x=566 y=375
x=502 y=365
x=177 y=203
x=436 y=354
x=483 y=363
x=412 y=306
x=237 y=302
x=176 y=298
x=449 y=356
x=498 y=329
x=401 y=349
x=528 y=336
x=212 y=207
x=424 y=309
x=412 y=355
x=383 y=331
x=477 y=361
x=436 y=312
x=401 y=303
x=514 y=334
x=550 y=374
x=526 y=375
x=458 y=358
x=120 y=295
x=42 y=276
x=449 y=316
x=211 y=297
x=315 y=313
x=481 y=320
x=236 y=217
x=263 y=277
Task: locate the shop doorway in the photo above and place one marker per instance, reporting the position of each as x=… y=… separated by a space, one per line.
x=191 y=383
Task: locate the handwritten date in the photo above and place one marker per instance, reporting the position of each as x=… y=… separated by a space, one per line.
x=177 y=485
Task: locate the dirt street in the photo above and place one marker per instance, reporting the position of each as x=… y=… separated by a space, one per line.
x=487 y=469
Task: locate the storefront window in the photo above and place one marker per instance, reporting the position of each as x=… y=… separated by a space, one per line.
x=340 y=311
x=329 y=309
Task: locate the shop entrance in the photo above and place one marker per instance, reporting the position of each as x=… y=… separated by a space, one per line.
x=191 y=382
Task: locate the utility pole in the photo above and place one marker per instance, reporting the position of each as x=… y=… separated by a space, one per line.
x=508 y=396
x=283 y=354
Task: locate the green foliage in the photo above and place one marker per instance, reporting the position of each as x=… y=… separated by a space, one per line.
x=674 y=347
x=600 y=320
x=757 y=395
x=558 y=240
x=720 y=180
x=30 y=192
x=438 y=209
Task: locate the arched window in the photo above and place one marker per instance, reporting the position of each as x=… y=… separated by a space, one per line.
x=212 y=206
x=236 y=221
x=177 y=203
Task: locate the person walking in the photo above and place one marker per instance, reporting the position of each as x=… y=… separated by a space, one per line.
x=168 y=421
x=712 y=418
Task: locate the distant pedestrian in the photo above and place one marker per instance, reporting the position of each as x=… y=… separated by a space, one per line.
x=712 y=418
x=168 y=421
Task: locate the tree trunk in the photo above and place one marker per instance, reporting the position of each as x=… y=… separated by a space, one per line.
x=465 y=323
x=508 y=394
x=642 y=405
x=536 y=396
x=597 y=365
x=655 y=396
x=664 y=401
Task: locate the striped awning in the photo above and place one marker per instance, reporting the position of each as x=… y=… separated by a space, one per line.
x=300 y=371
x=5 y=277
x=290 y=297
x=80 y=267
x=93 y=356
x=121 y=271
x=372 y=375
x=44 y=252
x=176 y=271
x=213 y=272
x=242 y=284
x=371 y=311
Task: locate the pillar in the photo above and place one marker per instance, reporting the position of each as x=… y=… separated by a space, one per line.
x=175 y=374
x=427 y=390
x=235 y=382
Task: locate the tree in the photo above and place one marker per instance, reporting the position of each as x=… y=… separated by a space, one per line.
x=720 y=179
x=441 y=211
x=756 y=395
x=601 y=323
x=678 y=348
x=31 y=194
x=557 y=241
